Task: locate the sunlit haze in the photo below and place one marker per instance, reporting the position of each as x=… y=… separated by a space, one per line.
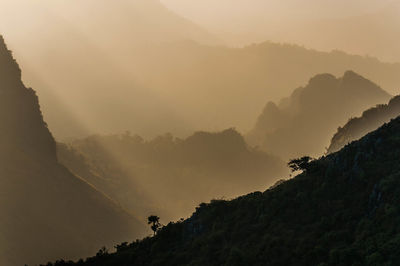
x=199 y=132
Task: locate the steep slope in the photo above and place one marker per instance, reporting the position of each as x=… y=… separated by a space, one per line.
x=343 y=210
x=84 y=47
x=143 y=176
x=303 y=123
x=47 y=212
x=370 y=120
x=113 y=66
x=196 y=77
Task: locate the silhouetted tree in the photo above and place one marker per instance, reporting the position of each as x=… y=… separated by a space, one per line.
x=155 y=223
x=300 y=164
x=102 y=252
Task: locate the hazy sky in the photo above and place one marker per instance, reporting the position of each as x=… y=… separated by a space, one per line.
x=214 y=12
x=319 y=24
x=70 y=50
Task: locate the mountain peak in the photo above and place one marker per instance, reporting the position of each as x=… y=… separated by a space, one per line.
x=313 y=113
x=354 y=81
x=67 y=214
x=22 y=127
x=350 y=76
x=322 y=80
x=10 y=73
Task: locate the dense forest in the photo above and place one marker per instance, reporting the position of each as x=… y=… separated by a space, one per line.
x=303 y=123
x=143 y=175
x=187 y=132
x=345 y=207
x=370 y=120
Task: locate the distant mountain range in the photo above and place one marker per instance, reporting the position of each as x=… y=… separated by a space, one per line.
x=342 y=210
x=369 y=121
x=321 y=25
x=79 y=46
x=84 y=64
x=376 y=33
x=170 y=176
x=303 y=123
x=47 y=212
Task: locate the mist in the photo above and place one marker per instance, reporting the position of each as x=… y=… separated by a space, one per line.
x=137 y=65
x=114 y=111
x=320 y=25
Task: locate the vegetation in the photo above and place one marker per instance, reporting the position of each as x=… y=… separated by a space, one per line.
x=370 y=120
x=342 y=211
x=191 y=77
x=301 y=164
x=143 y=175
x=304 y=122
x=154 y=221
x=46 y=212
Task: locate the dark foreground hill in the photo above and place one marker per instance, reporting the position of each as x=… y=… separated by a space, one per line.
x=170 y=176
x=370 y=120
x=46 y=212
x=304 y=122
x=342 y=210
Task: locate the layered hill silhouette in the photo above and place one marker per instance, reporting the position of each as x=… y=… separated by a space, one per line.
x=303 y=123
x=378 y=32
x=47 y=212
x=369 y=121
x=109 y=71
x=139 y=21
x=245 y=78
x=375 y=27
x=170 y=176
x=80 y=46
x=342 y=210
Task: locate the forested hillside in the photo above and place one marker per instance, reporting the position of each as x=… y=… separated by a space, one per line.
x=170 y=176
x=303 y=123
x=370 y=120
x=342 y=210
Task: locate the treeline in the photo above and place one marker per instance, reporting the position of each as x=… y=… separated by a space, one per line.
x=304 y=122
x=342 y=210
x=170 y=176
x=370 y=120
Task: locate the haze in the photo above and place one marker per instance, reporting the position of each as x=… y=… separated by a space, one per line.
x=240 y=22
x=112 y=111
x=136 y=53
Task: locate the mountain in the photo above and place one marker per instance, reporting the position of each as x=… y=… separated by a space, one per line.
x=81 y=46
x=374 y=24
x=342 y=210
x=139 y=21
x=377 y=31
x=138 y=71
x=196 y=77
x=167 y=175
x=370 y=120
x=47 y=212
x=302 y=123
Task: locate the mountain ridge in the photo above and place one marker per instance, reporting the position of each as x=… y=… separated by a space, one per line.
x=142 y=174
x=311 y=111
x=47 y=212
x=370 y=120
x=346 y=209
